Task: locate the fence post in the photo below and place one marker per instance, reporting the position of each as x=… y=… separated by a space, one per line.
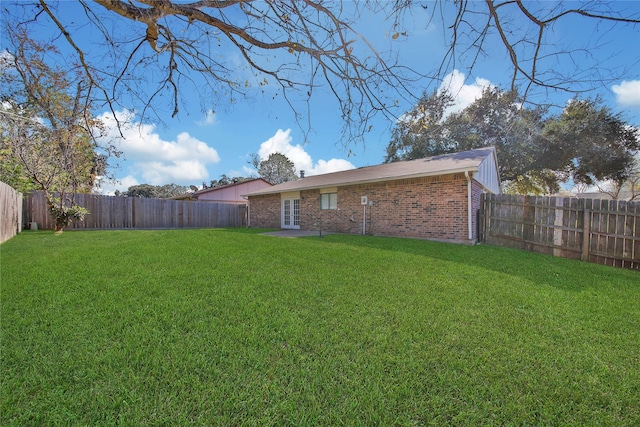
x=557 y=226
x=529 y=219
x=586 y=231
x=480 y=219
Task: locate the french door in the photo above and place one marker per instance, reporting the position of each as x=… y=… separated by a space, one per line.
x=290 y=213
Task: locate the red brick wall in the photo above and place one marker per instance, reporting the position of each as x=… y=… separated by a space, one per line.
x=264 y=211
x=429 y=208
x=337 y=221
x=476 y=198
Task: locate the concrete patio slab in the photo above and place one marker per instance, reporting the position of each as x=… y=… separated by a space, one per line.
x=294 y=233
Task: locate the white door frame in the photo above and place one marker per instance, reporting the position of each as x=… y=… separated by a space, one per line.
x=290 y=208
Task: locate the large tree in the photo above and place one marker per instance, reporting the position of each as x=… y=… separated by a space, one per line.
x=277 y=169
x=495 y=119
x=591 y=142
x=227 y=180
x=151 y=48
x=629 y=189
x=154 y=191
x=47 y=130
x=536 y=151
x=420 y=132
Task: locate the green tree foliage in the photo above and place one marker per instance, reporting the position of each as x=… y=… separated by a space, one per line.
x=171 y=190
x=632 y=184
x=629 y=189
x=420 y=132
x=155 y=191
x=536 y=151
x=495 y=119
x=142 y=190
x=226 y=180
x=47 y=129
x=277 y=169
x=591 y=143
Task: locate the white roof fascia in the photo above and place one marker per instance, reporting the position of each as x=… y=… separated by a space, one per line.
x=365 y=181
x=481 y=166
x=410 y=176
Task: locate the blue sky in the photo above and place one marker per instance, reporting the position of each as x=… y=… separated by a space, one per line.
x=201 y=144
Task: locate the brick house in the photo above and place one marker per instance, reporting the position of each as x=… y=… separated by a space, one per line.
x=433 y=198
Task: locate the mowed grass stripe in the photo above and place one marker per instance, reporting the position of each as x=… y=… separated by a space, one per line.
x=230 y=327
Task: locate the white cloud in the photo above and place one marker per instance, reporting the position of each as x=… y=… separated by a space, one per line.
x=6 y=60
x=209 y=119
x=122 y=184
x=180 y=171
x=281 y=143
x=464 y=94
x=244 y=171
x=156 y=161
x=333 y=165
x=628 y=93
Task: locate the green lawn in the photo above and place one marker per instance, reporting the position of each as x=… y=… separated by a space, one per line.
x=230 y=327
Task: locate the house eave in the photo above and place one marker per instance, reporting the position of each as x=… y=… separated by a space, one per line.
x=302 y=187
x=234 y=184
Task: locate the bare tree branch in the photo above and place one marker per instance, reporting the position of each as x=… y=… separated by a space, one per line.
x=523 y=30
x=155 y=47
x=184 y=34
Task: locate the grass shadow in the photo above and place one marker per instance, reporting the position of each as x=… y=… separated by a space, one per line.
x=559 y=272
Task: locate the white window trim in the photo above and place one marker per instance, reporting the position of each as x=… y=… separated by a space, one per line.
x=332 y=201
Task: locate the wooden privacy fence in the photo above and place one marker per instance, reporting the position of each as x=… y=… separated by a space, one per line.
x=112 y=212
x=10 y=212
x=601 y=231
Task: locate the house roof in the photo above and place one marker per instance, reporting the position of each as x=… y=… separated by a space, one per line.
x=183 y=196
x=465 y=161
x=211 y=189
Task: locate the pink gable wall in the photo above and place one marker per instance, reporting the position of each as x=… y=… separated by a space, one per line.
x=232 y=193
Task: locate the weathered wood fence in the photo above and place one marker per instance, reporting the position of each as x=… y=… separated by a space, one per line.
x=601 y=231
x=10 y=212
x=112 y=212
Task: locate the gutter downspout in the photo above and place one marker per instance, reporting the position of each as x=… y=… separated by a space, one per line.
x=469 y=205
x=248 y=213
x=364 y=220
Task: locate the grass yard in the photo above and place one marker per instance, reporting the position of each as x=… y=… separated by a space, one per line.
x=230 y=327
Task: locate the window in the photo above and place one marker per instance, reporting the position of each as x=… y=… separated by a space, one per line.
x=329 y=201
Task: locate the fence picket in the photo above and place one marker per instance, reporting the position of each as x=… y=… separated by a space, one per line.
x=111 y=212
x=11 y=207
x=606 y=232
